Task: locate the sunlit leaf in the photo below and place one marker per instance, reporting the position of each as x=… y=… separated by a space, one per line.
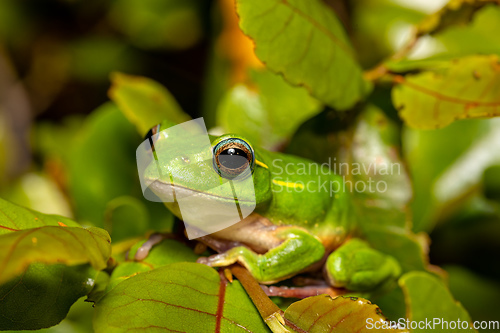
x=144 y=102
x=427 y=297
x=305 y=42
x=341 y=314
x=15 y=218
x=51 y=245
x=182 y=297
x=466 y=88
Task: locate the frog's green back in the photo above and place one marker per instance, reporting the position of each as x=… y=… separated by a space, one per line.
x=305 y=194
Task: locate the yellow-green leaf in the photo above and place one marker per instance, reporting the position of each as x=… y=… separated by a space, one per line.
x=305 y=42
x=465 y=88
x=144 y=102
x=52 y=245
x=341 y=314
x=182 y=297
x=15 y=218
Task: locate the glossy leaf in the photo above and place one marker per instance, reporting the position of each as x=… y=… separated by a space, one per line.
x=427 y=297
x=183 y=297
x=341 y=314
x=306 y=43
x=266 y=110
x=465 y=88
x=51 y=245
x=16 y=218
x=144 y=102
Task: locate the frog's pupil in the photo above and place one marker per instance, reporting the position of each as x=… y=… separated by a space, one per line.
x=233 y=158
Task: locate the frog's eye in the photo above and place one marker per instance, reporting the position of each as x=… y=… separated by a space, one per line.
x=151 y=135
x=233 y=157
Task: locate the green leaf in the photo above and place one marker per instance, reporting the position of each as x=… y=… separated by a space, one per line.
x=465 y=88
x=341 y=314
x=45 y=266
x=159 y=24
x=267 y=110
x=427 y=297
x=435 y=157
x=183 y=297
x=15 y=218
x=144 y=102
x=42 y=296
x=169 y=251
x=306 y=43
x=107 y=192
x=51 y=245
x=364 y=150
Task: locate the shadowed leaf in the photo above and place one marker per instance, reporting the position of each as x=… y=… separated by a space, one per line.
x=305 y=42
x=42 y=295
x=182 y=297
x=465 y=88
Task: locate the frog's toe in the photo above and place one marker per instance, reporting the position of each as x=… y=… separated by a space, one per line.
x=216 y=260
x=358 y=267
x=143 y=251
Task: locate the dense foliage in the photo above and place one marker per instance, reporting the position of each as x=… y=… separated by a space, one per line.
x=81 y=83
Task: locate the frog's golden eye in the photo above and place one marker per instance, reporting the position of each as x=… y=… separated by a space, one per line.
x=151 y=136
x=233 y=157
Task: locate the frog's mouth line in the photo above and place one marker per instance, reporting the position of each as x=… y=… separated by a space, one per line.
x=170 y=192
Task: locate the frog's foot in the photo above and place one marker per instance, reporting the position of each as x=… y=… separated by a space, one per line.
x=296 y=251
x=143 y=251
x=302 y=292
x=358 y=267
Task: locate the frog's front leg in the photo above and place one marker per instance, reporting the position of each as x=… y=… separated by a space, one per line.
x=358 y=267
x=295 y=251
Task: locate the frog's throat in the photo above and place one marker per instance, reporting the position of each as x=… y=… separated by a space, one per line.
x=169 y=192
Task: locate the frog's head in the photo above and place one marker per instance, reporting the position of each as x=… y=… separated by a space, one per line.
x=198 y=165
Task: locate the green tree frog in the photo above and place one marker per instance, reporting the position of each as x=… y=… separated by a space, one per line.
x=299 y=224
